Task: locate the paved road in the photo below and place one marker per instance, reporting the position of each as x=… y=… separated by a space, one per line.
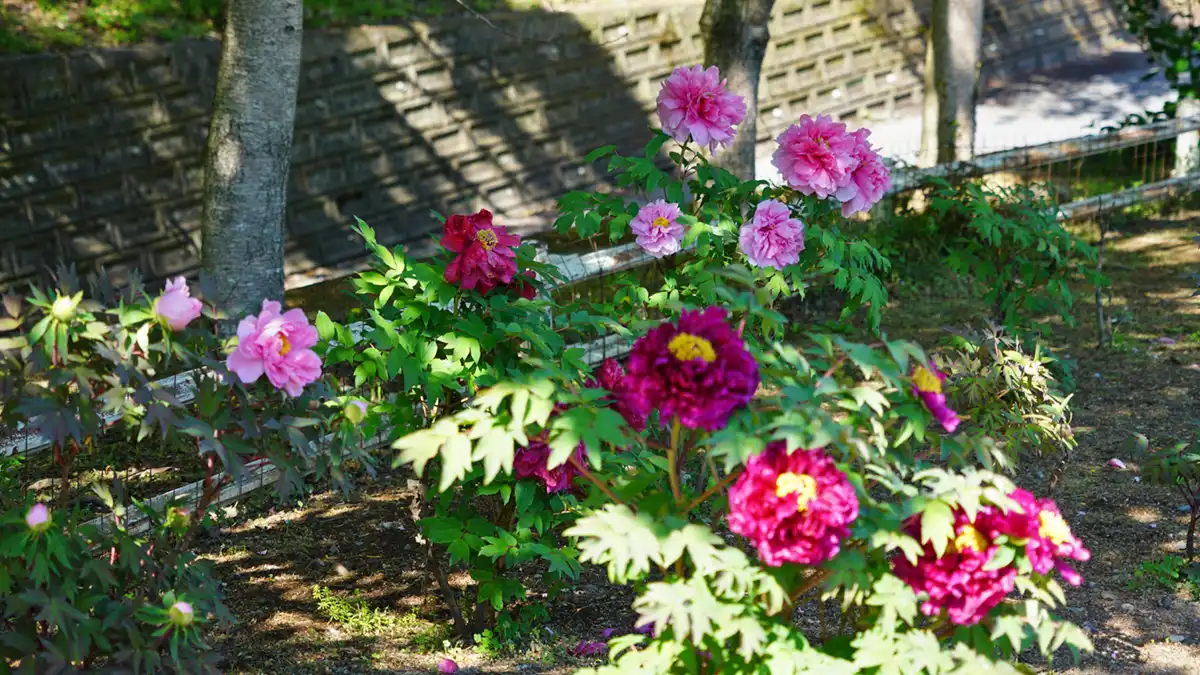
x=1068 y=101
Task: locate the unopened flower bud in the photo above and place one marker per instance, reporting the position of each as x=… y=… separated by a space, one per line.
x=356 y=411
x=64 y=307
x=38 y=518
x=181 y=613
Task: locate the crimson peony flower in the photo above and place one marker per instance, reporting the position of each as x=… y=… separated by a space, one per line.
x=694 y=103
x=868 y=182
x=611 y=376
x=176 y=305
x=959 y=582
x=530 y=462
x=1047 y=537
x=927 y=384
x=795 y=507
x=817 y=156
x=657 y=229
x=772 y=238
x=486 y=258
x=698 y=371
x=279 y=345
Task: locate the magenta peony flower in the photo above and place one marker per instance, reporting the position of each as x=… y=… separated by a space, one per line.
x=927 y=384
x=959 y=581
x=176 y=305
x=279 y=345
x=868 y=182
x=611 y=376
x=585 y=648
x=772 y=238
x=694 y=102
x=530 y=462
x=38 y=518
x=447 y=666
x=181 y=613
x=697 y=370
x=817 y=156
x=656 y=228
x=794 y=507
x=486 y=258
x=1047 y=537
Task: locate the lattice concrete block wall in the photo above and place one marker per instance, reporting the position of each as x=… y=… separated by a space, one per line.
x=102 y=150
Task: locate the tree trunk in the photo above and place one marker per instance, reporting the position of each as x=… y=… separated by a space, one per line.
x=951 y=81
x=735 y=41
x=249 y=153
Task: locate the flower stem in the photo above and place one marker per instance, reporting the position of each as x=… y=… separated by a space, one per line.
x=583 y=471
x=809 y=582
x=672 y=461
x=720 y=485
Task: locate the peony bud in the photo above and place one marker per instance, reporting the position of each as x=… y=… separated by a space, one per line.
x=447 y=666
x=64 y=307
x=181 y=613
x=356 y=411
x=38 y=518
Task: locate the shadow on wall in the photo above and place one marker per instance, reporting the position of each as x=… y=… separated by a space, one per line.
x=103 y=149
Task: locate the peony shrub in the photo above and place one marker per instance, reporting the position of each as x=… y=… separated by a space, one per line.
x=817 y=453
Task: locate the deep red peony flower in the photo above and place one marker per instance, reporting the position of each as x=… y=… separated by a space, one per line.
x=486 y=258
x=795 y=507
x=523 y=288
x=530 y=462
x=611 y=376
x=1047 y=537
x=959 y=582
x=697 y=370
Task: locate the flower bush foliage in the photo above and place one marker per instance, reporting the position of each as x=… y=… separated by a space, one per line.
x=119 y=586
x=833 y=459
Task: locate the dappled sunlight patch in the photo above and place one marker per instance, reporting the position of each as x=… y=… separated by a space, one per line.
x=1143 y=514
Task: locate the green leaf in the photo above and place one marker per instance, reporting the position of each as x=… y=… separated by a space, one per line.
x=525 y=491
x=937 y=525
x=616 y=537
x=325 y=327
x=598 y=153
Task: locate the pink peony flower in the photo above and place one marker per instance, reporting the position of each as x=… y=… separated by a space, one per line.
x=772 y=238
x=817 y=156
x=697 y=370
x=694 y=102
x=279 y=345
x=447 y=666
x=868 y=182
x=1047 y=537
x=611 y=376
x=959 y=582
x=656 y=228
x=794 y=507
x=176 y=305
x=38 y=518
x=927 y=384
x=486 y=258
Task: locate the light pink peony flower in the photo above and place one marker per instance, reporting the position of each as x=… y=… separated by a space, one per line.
x=816 y=156
x=868 y=181
x=694 y=102
x=38 y=518
x=176 y=305
x=656 y=228
x=772 y=238
x=279 y=345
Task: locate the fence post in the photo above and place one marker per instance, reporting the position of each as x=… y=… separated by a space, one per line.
x=1187 y=145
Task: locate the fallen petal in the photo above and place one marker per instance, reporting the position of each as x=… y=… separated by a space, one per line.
x=1116 y=464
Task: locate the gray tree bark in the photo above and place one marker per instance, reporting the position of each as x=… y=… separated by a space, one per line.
x=951 y=81
x=735 y=41
x=249 y=153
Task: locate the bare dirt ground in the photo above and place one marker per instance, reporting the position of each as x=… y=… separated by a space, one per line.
x=1143 y=384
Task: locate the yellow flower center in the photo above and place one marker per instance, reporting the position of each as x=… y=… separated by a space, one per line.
x=661 y=222
x=927 y=382
x=802 y=485
x=686 y=347
x=487 y=239
x=284 y=345
x=1052 y=526
x=969 y=537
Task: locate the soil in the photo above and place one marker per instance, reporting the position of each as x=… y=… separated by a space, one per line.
x=271 y=559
